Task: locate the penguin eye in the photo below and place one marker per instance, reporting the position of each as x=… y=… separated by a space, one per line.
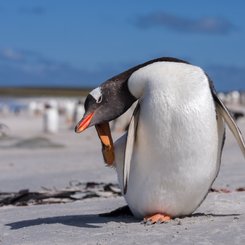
x=99 y=100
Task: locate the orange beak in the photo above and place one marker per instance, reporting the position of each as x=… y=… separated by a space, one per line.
x=84 y=123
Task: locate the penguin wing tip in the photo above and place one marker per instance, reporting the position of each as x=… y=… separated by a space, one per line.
x=125 y=188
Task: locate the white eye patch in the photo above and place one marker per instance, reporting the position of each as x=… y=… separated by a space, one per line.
x=97 y=95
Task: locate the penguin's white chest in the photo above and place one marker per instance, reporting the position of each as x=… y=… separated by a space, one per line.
x=177 y=149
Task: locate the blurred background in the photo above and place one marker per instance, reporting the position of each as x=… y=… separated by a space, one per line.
x=53 y=52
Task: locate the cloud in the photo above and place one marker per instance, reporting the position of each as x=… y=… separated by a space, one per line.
x=227 y=77
x=28 y=68
x=10 y=54
x=205 y=25
x=34 y=10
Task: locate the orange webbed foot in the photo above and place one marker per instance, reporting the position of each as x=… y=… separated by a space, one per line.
x=156 y=218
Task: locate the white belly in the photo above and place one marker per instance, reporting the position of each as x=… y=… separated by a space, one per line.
x=176 y=155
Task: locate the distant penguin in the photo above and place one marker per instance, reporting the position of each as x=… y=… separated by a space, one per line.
x=171 y=153
x=4 y=130
x=235 y=97
x=69 y=112
x=50 y=119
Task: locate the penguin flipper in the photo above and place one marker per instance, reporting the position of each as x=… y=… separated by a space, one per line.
x=221 y=108
x=130 y=146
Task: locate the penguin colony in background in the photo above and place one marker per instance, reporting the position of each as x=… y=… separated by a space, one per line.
x=168 y=159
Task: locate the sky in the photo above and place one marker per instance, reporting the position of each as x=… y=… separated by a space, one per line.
x=81 y=43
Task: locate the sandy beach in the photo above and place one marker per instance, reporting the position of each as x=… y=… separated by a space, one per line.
x=34 y=160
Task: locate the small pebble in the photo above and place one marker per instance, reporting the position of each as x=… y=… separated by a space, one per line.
x=179 y=223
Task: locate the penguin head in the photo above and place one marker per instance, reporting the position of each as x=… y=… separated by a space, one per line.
x=113 y=97
x=106 y=102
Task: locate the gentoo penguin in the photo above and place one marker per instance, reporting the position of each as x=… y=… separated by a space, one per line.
x=171 y=153
x=51 y=118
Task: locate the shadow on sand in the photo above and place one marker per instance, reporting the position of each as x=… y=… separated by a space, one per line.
x=86 y=221
x=93 y=220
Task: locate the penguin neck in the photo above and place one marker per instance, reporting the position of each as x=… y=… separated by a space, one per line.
x=137 y=82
